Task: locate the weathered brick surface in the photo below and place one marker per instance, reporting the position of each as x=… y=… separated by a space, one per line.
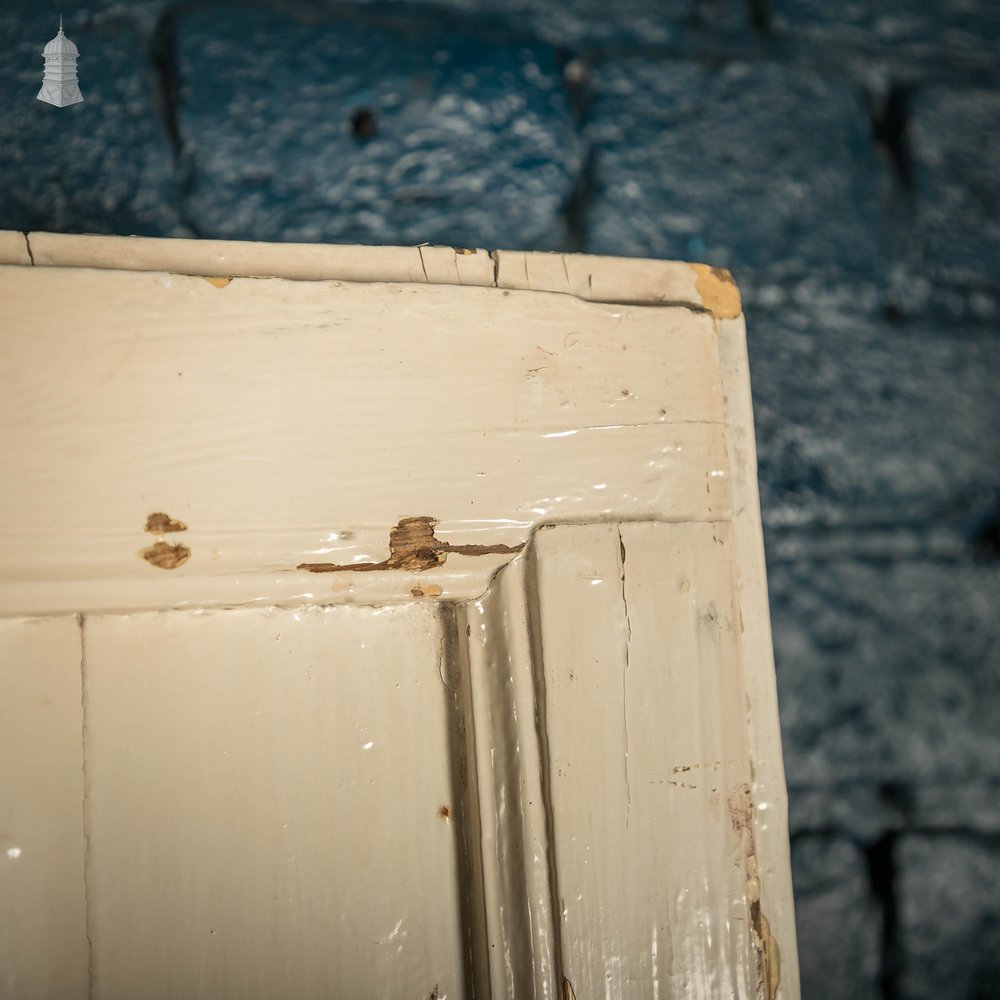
x=955 y=144
x=471 y=143
x=889 y=678
x=104 y=166
x=832 y=891
x=959 y=28
x=763 y=168
x=587 y=24
x=866 y=424
x=949 y=917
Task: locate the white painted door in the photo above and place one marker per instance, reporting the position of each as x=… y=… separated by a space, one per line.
x=384 y=623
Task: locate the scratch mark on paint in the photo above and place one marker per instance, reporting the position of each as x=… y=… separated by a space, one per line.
x=681 y=768
x=741 y=810
x=628 y=640
x=412 y=546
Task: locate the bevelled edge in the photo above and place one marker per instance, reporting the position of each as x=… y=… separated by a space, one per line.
x=592 y=278
x=625 y=280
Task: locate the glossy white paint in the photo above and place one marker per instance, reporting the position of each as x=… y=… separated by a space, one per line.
x=531 y=751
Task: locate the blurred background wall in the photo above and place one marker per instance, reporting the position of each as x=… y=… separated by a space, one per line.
x=842 y=159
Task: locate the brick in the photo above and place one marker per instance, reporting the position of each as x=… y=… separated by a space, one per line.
x=472 y=143
x=838 y=922
x=580 y=24
x=865 y=424
x=758 y=167
x=949 y=917
x=954 y=28
x=569 y=24
x=888 y=684
x=103 y=166
x=955 y=145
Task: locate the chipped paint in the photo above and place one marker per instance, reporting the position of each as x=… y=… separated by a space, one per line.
x=166 y=556
x=718 y=291
x=412 y=546
x=219 y=282
x=741 y=812
x=159 y=523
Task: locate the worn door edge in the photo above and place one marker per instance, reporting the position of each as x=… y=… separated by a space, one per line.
x=769 y=885
x=617 y=280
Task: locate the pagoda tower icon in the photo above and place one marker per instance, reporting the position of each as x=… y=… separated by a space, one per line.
x=59 y=84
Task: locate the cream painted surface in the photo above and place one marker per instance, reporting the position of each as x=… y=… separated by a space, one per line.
x=292 y=422
x=263 y=813
x=588 y=277
x=770 y=798
x=647 y=759
x=43 y=929
x=555 y=773
x=499 y=663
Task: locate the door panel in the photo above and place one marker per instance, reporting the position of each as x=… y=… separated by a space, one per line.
x=43 y=925
x=647 y=759
x=404 y=629
x=269 y=805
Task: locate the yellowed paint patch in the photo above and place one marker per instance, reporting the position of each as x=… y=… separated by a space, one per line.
x=718 y=291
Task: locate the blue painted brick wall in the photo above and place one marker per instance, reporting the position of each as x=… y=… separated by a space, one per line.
x=840 y=158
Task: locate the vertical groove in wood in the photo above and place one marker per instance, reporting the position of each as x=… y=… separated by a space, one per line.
x=516 y=884
x=533 y=609
x=84 y=802
x=466 y=806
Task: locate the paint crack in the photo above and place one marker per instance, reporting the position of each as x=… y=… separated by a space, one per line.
x=413 y=547
x=628 y=641
x=85 y=807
